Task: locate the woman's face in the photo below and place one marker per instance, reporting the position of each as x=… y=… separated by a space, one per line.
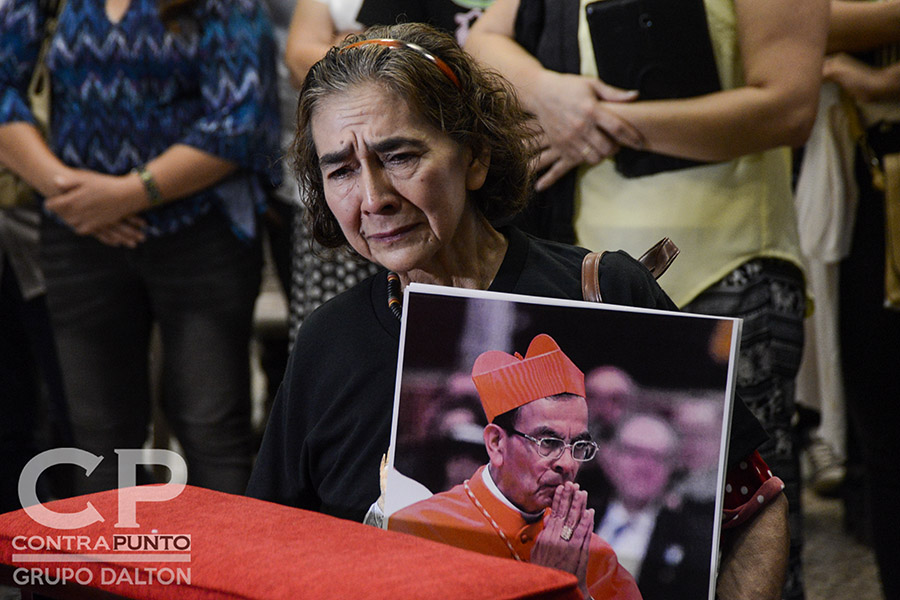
x=397 y=186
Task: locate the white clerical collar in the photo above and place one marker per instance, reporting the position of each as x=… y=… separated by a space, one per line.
x=489 y=482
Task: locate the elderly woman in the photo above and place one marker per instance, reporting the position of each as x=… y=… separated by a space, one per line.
x=410 y=154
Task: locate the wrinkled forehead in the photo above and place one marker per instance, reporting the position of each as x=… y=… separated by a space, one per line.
x=367 y=119
x=367 y=103
x=326 y=94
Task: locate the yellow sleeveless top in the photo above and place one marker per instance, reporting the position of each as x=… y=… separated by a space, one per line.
x=720 y=215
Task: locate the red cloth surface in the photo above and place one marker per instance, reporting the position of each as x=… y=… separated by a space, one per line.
x=247 y=548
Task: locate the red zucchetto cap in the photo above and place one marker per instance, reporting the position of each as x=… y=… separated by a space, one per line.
x=505 y=382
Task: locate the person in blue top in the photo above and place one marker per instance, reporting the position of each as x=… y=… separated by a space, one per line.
x=164 y=134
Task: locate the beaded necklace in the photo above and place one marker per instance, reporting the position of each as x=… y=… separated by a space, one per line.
x=393 y=292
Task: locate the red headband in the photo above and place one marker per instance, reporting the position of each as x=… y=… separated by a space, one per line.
x=391 y=43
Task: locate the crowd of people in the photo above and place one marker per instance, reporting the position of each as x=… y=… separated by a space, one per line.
x=468 y=144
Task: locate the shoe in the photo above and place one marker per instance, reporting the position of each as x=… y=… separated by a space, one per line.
x=826 y=471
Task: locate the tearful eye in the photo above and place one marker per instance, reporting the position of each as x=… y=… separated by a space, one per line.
x=339 y=173
x=400 y=158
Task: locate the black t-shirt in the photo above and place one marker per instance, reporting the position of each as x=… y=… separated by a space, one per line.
x=454 y=16
x=331 y=420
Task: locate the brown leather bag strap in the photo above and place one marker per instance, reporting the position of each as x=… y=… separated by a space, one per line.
x=590 y=279
x=657 y=259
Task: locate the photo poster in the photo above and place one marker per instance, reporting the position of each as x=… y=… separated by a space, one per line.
x=659 y=389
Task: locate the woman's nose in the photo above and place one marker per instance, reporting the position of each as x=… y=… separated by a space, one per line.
x=378 y=193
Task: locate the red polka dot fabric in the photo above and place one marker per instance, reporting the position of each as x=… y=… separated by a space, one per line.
x=749 y=486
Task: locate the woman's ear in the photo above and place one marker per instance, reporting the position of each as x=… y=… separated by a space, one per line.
x=477 y=171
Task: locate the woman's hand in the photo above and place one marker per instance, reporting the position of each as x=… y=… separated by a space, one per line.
x=564 y=543
x=92 y=203
x=576 y=128
x=572 y=109
x=129 y=233
x=863 y=82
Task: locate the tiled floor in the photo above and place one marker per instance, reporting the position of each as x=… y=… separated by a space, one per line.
x=835 y=566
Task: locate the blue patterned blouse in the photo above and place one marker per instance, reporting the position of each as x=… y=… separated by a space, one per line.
x=124 y=92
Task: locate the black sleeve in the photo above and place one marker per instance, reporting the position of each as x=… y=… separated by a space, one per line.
x=379 y=12
x=625 y=281
x=548 y=30
x=747 y=433
x=331 y=421
x=278 y=474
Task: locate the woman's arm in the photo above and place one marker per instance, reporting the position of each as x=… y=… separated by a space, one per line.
x=782 y=46
x=577 y=128
x=24 y=151
x=755 y=556
x=312 y=33
x=22 y=147
x=862 y=82
x=89 y=201
x=239 y=122
x=857 y=26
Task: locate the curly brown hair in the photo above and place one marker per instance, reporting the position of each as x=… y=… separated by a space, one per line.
x=483 y=113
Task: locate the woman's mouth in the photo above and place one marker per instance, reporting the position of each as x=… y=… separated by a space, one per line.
x=390 y=235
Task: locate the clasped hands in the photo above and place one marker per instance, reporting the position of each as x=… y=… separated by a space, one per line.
x=576 y=126
x=564 y=543
x=100 y=205
x=861 y=81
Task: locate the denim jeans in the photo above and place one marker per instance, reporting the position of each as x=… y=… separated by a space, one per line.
x=199 y=286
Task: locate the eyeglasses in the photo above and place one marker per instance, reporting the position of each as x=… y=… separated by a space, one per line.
x=550 y=447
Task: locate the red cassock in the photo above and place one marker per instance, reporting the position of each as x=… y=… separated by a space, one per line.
x=474 y=518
